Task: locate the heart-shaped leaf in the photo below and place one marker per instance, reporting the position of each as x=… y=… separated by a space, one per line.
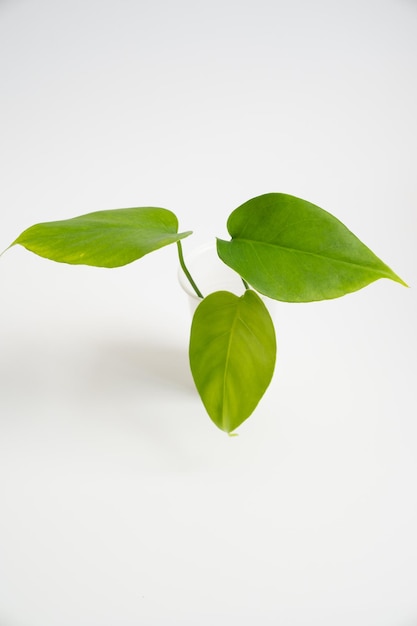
x=232 y=355
x=103 y=238
x=291 y=250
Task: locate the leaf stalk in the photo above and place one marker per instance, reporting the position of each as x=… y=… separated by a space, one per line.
x=186 y=271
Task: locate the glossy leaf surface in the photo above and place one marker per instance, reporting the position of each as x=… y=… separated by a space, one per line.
x=232 y=355
x=103 y=238
x=294 y=251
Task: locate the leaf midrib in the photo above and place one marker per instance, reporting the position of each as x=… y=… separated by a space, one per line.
x=252 y=242
x=235 y=318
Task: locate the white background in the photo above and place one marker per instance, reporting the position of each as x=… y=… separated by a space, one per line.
x=121 y=503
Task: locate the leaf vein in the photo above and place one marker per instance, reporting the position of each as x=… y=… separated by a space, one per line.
x=252 y=243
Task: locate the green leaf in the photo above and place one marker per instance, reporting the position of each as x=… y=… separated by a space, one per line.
x=104 y=238
x=232 y=355
x=291 y=250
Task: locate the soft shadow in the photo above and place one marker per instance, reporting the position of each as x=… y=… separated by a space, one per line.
x=142 y=390
x=167 y=364
x=145 y=389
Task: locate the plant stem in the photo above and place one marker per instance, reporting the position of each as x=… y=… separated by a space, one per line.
x=245 y=283
x=186 y=272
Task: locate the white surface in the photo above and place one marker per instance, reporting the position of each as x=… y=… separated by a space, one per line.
x=120 y=502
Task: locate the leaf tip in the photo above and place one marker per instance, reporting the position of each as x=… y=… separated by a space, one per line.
x=185 y=234
x=403 y=283
x=393 y=276
x=8 y=248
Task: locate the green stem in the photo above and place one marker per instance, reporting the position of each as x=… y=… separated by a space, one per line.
x=186 y=272
x=245 y=283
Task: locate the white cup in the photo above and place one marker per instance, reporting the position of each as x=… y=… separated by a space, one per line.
x=209 y=273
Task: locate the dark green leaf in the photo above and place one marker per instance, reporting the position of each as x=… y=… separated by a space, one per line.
x=104 y=238
x=291 y=250
x=232 y=355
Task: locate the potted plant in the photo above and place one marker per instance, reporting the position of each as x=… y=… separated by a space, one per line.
x=281 y=246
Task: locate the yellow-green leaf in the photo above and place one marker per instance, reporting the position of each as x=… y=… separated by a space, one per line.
x=104 y=238
x=232 y=355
